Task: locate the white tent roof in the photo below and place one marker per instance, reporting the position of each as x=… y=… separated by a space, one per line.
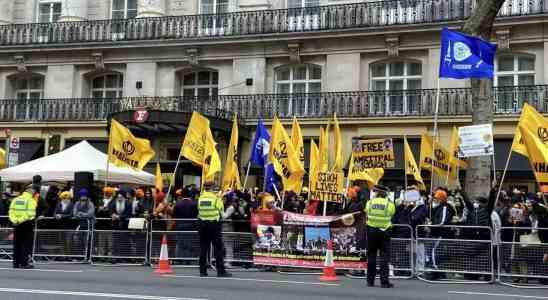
x=81 y=157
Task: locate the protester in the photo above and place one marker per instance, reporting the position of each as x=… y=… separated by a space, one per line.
x=104 y=223
x=185 y=212
x=22 y=213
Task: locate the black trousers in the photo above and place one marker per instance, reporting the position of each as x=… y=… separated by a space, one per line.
x=23 y=239
x=210 y=234
x=377 y=240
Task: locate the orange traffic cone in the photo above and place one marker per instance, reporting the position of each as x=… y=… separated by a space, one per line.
x=163 y=266
x=329 y=265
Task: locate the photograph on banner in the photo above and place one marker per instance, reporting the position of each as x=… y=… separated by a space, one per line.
x=375 y=153
x=301 y=241
x=476 y=140
x=328 y=186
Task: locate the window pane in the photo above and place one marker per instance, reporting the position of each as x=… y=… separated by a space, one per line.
x=118 y=14
x=188 y=93
x=526 y=80
x=21 y=84
x=394 y=85
x=207 y=7
x=379 y=70
x=311 y=3
x=21 y=96
x=118 y=4
x=97 y=94
x=111 y=94
x=396 y=68
x=526 y=63
x=35 y=95
x=506 y=81
x=283 y=88
x=120 y=81
x=203 y=92
x=132 y=13
x=45 y=13
x=414 y=69
x=414 y=84
x=283 y=74
x=56 y=11
x=506 y=63
x=315 y=87
x=379 y=85
x=299 y=88
x=110 y=81
x=203 y=78
x=300 y=73
x=189 y=79
x=36 y=83
x=132 y=4
x=222 y=6
x=215 y=79
x=294 y=3
x=214 y=92
x=316 y=72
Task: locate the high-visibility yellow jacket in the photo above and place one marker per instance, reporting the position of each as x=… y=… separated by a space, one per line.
x=210 y=207
x=22 y=209
x=379 y=213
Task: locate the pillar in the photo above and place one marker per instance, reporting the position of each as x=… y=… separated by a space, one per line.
x=73 y=10
x=6 y=13
x=150 y=8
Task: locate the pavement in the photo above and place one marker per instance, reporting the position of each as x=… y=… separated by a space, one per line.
x=83 y=282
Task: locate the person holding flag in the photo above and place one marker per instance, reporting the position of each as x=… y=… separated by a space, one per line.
x=259 y=156
x=231 y=176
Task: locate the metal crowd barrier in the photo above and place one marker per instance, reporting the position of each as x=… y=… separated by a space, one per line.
x=401 y=251
x=521 y=253
x=122 y=245
x=6 y=239
x=182 y=237
x=61 y=240
x=464 y=252
x=238 y=242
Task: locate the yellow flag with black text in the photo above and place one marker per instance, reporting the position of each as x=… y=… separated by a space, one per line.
x=158 y=180
x=456 y=162
x=434 y=158
x=537 y=151
x=124 y=149
x=297 y=139
x=533 y=121
x=212 y=161
x=195 y=138
x=338 y=162
x=356 y=171
x=284 y=158
x=231 y=176
x=411 y=167
x=324 y=149
x=314 y=164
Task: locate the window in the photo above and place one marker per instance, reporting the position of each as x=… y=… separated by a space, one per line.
x=398 y=80
x=302 y=79
x=107 y=86
x=303 y=14
x=49 y=11
x=29 y=87
x=124 y=9
x=302 y=3
x=200 y=84
x=513 y=71
x=214 y=7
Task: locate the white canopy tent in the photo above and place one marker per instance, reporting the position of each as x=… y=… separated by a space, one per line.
x=81 y=157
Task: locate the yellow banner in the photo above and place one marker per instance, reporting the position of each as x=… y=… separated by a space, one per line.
x=195 y=138
x=285 y=158
x=338 y=163
x=377 y=153
x=2 y=158
x=439 y=158
x=231 y=176
x=159 y=180
x=534 y=122
x=462 y=163
x=328 y=187
x=411 y=167
x=324 y=149
x=298 y=145
x=537 y=151
x=124 y=149
x=314 y=164
x=212 y=161
x=357 y=171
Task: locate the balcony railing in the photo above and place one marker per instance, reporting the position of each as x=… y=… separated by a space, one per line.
x=362 y=104
x=322 y=18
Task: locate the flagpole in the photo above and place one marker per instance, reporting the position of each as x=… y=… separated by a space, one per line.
x=503 y=177
x=405 y=165
x=494 y=166
x=173 y=178
x=434 y=139
x=247 y=174
x=324 y=208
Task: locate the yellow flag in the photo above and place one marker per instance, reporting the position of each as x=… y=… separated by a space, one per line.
x=537 y=151
x=356 y=171
x=338 y=163
x=2 y=158
x=297 y=139
x=212 y=161
x=124 y=149
x=314 y=164
x=440 y=158
x=159 y=181
x=455 y=161
x=324 y=149
x=231 y=177
x=534 y=122
x=284 y=158
x=411 y=167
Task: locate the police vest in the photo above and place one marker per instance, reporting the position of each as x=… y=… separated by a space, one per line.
x=209 y=207
x=379 y=213
x=22 y=209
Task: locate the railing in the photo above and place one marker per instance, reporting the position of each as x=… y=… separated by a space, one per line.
x=453 y=102
x=322 y=18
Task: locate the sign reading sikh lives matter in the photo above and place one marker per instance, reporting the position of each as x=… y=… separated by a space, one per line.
x=371 y=154
x=328 y=187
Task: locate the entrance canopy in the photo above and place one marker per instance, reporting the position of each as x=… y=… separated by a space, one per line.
x=81 y=157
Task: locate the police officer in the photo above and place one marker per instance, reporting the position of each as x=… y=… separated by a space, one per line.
x=379 y=213
x=210 y=210
x=22 y=214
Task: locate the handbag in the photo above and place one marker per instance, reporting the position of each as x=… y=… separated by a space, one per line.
x=136 y=223
x=529 y=239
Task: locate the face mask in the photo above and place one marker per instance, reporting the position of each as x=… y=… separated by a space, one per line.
x=476 y=205
x=435 y=204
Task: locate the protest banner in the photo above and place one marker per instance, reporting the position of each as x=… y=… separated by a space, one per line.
x=476 y=140
x=328 y=186
x=372 y=154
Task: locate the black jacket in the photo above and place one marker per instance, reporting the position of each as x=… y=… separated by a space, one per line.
x=442 y=215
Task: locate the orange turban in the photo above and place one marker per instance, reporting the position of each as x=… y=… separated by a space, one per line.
x=544 y=189
x=139 y=193
x=440 y=195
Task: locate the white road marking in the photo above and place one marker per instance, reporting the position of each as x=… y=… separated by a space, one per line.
x=45 y=270
x=89 y=294
x=497 y=295
x=256 y=280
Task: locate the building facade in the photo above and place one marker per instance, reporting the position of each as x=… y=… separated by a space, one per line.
x=67 y=66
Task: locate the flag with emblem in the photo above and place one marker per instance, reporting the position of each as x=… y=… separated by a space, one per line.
x=324 y=149
x=124 y=149
x=231 y=176
x=298 y=144
x=357 y=171
x=537 y=151
x=314 y=164
x=411 y=167
x=533 y=121
x=338 y=162
x=434 y=156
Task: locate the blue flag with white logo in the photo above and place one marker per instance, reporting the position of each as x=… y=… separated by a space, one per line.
x=261 y=145
x=464 y=56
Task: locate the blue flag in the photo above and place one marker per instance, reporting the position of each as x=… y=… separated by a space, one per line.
x=270 y=179
x=464 y=56
x=261 y=145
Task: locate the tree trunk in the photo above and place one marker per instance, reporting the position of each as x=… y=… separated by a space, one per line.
x=479 y=24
